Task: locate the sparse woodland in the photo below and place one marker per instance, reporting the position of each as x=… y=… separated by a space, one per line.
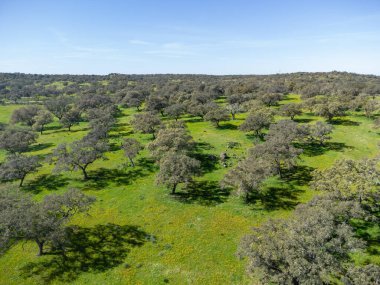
x=190 y=179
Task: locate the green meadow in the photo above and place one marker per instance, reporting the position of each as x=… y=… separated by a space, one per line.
x=137 y=233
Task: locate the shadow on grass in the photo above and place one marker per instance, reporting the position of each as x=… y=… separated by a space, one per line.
x=227 y=126
x=52 y=128
x=299 y=175
x=303 y=120
x=344 y=122
x=313 y=149
x=199 y=146
x=103 y=177
x=46 y=181
x=208 y=162
x=92 y=250
x=255 y=138
x=281 y=197
x=114 y=146
x=120 y=133
x=370 y=232
x=206 y=193
x=193 y=120
x=40 y=146
x=271 y=198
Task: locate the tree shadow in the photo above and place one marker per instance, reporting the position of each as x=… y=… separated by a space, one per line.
x=113 y=146
x=119 y=133
x=208 y=162
x=370 y=232
x=50 y=182
x=40 y=146
x=344 y=122
x=102 y=177
x=199 y=146
x=52 y=128
x=206 y=193
x=227 y=126
x=314 y=149
x=92 y=250
x=303 y=120
x=255 y=138
x=194 y=120
x=280 y=197
x=147 y=164
x=271 y=198
x=299 y=175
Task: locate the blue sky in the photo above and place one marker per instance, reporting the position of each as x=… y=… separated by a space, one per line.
x=189 y=36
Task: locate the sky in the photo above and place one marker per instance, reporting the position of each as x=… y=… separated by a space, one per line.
x=189 y=36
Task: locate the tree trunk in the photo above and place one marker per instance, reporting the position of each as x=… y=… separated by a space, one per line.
x=131 y=160
x=173 y=189
x=22 y=180
x=233 y=116
x=278 y=167
x=85 y=175
x=40 y=247
x=154 y=135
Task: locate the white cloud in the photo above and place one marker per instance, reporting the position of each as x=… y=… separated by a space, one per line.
x=140 y=42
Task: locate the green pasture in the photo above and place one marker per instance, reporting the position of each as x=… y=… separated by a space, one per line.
x=137 y=233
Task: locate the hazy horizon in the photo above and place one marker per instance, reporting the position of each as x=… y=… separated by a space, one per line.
x=189 y=37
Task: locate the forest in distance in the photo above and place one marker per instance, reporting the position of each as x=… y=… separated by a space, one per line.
x=190 y=179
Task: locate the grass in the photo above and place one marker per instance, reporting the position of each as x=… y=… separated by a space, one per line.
x=190 y=238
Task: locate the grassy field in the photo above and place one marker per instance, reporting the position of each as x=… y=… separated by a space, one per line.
x=137 y=233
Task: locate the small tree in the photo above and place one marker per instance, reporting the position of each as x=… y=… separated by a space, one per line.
x=234 y=109
x=93 y=101
x=175 y=169
x=200 y=109
x=280 y=154
x=17 y=139
x=215 y=116
x=247 y=177
x=309 y=248
x=59 y=106
x=271 y=99
x=320 y=132
x=175 y=111
x=25 y=115
x=291 y=110
x=78 y=155
x=70 y=118
x=42 y=222
x=134 y=99
x=285 y=131
x=330 y=109
x=257 y=122
x=131 y=149
x=17 y=167
x=147 y=123
x=171 y=140
x=101 y=122
x=43 y=118
x=156 y=104
x=370 y=107
x=350 y=179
